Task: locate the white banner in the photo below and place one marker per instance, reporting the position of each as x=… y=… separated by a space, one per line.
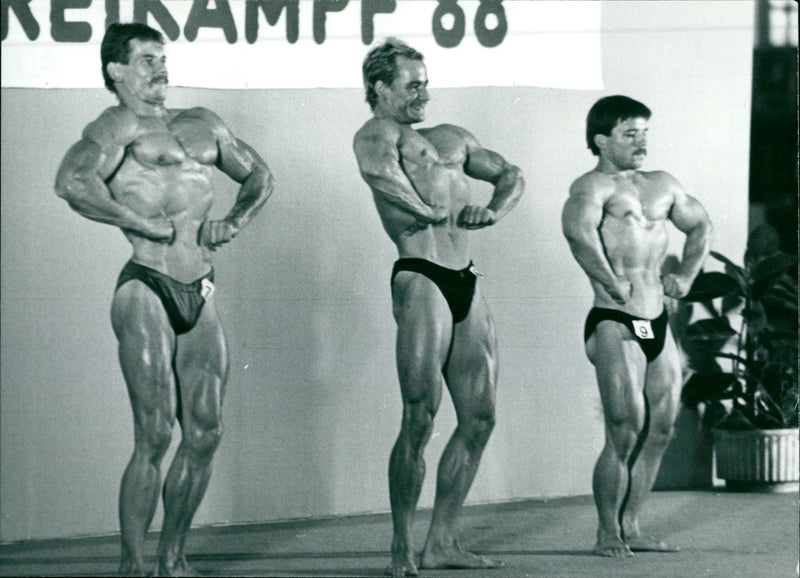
x=244 y=44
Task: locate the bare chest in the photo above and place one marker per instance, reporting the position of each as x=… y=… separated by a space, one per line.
x=167 y=168
x=435 y=165
x=638 y=201
x=182 y=140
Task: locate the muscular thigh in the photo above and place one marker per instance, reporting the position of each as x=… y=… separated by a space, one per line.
x=146 y=349
x=201 y=364
x=620 y=366
x=664 y=380
x=472 y=367
x=424 y=331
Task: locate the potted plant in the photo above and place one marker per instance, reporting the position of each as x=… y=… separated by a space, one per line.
x=744 y=363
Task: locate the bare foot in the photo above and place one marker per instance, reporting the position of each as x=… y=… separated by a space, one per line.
x=402 y=558
x=612 y=548
x=649 y=544
x=181 y=568
x=400 y=568
x=130 y=569
x=457 y=559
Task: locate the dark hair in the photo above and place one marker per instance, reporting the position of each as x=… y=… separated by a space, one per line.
x=116 y=44
x=607 y=113
x=381 y=64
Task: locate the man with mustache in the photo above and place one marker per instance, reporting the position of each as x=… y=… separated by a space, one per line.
x=445 y=335
x=147 y=170
x=615 y=222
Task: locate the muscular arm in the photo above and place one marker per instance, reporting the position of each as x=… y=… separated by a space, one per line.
x=508 y=184
x=81 y=180
x=689 y=217
x=375 y=146
x=242 y=164
x=580 y=222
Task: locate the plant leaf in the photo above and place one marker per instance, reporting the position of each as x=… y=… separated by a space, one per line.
x=710 y=330
x=768 y=270
x=709 y=387
x=737 y=418
x=762 y=242
x=736 y=271
x=709 y=286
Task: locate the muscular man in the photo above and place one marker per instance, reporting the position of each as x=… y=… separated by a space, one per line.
x=444 y=331
x=147 y=170
x=615 y=222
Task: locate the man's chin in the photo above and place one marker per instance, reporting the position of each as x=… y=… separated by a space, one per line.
x=159 y=94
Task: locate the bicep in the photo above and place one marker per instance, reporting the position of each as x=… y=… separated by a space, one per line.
x=237 y=159
x=485 y=165
x=86 y=159
x=376 y=154
x=582 y=215
x=687 y=213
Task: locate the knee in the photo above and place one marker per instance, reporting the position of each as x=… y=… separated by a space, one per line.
x=661 y=433
x=621 y=438
x=478 y=428
x=153 y=441
x=418 y=422
x=203 y=441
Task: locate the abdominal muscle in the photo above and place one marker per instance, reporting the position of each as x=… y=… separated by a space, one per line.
x=181 y=193
x=443 y=243
x=635 y=248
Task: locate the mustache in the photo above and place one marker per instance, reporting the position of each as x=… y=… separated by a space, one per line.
x=160 y=78
x=642 y=151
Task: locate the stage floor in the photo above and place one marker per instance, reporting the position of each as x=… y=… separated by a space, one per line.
x=720 y=533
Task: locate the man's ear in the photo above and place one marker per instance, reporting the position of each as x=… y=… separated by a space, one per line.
x=600 y=141
x=114 y=70
x=380 y=88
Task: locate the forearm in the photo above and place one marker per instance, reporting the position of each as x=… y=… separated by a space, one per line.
x=253 y=194
x=507 y=192
x=696 y=249
x=90 y=198
x=590 y=256
x=392 y=192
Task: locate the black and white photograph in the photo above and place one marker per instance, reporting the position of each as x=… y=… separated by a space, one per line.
x=462 y=288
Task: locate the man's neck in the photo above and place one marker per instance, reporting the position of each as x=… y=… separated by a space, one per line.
x=143 y=108
x=606 y=167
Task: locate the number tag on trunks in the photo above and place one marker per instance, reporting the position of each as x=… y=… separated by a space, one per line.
x=206 y=289
x=643 y=329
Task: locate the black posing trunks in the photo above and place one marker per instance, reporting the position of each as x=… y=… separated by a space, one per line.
x=458 y=287
x=183 y=302
x=651 y=346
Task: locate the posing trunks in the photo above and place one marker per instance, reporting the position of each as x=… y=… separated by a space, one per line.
x=457 y=287
x=650 y=333
x=183 y=302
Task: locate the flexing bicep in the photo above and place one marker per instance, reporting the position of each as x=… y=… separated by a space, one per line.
x=94 y=159
x=87 y=164
x=378 y=160
x=377 y=155
x=485 y=165
x=239 y=160
x=582 y=215
x=687 y=214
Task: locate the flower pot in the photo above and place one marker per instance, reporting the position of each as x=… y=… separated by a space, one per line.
x=760 y=460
